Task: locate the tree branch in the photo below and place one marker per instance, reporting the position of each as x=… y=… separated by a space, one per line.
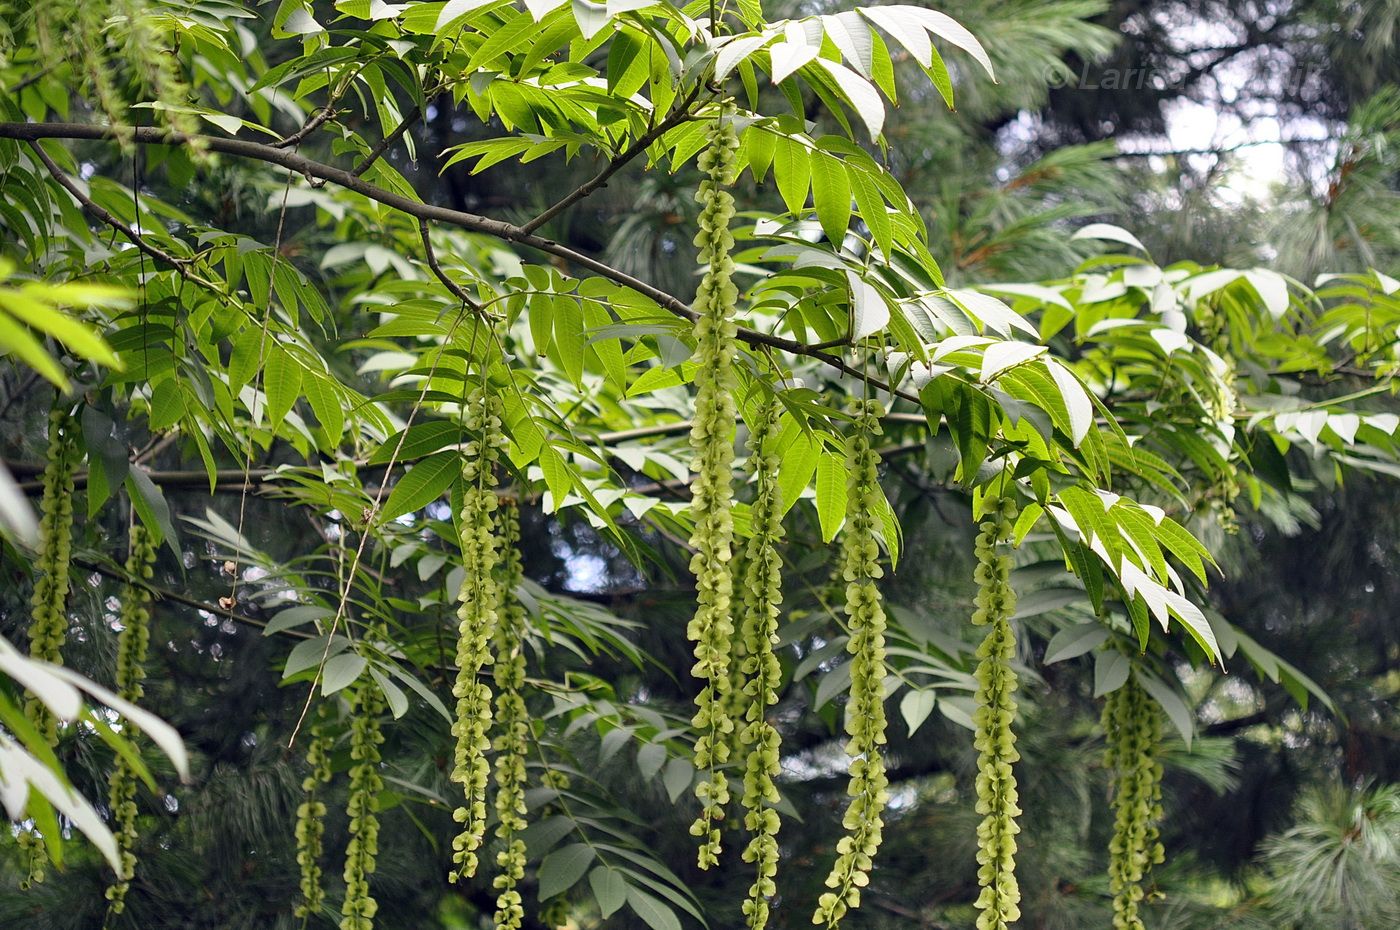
x=165 y=594
x=508 y=232
x=679 y=115
x=317 y=120
x=375 y=153
x=102 y=214
x=452 y=286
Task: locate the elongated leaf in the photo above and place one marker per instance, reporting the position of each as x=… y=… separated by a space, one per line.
x=831 y=493
x=1074 y=641
x=609 y=890
x=657 y=915
x=340 y=671
x=423 y=484
x=561 y=869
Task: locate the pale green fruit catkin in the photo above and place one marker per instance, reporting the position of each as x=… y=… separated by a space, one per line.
x=513 y=729
x=712 y=494
x=477 y=618
x=132 y=645
x=760 y=670
x=1133 y=732
x=865 y=712
x=999 y=901
x=48 y=626
x=311 y=817
x=359 y=907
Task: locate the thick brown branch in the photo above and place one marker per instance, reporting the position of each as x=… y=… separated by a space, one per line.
x=243 y=148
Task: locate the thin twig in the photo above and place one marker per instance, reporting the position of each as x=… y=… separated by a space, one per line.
x=176 y=597
x=317 y=120
x=679 y=115
x=102 y=214
x=146 y=135
x=456 y=289
x=375 y=153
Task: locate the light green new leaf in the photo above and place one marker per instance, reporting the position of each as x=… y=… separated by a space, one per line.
x=831 y=493
x=831 y=193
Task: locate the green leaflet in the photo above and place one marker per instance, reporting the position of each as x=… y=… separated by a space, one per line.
x=712 y=500
x=1132 y=728
x=865 y=714
x=996 y=710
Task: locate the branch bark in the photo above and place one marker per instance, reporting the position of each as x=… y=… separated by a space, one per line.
x=508 y=232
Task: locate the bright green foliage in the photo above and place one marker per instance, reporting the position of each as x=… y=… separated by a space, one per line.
x=98 y=36
x=477 y=615
x=49 y=626
x=711 y=438
x=132 y=644
x=761 y=672
x=512 y=738
x=996 y=709
x=1132 y=727
x=359 y=907
x=865 y=714
x=311 y=827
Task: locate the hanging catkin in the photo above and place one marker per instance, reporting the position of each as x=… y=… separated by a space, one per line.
x=311 y=826
x=49 y=624
x=359 y=907
x=513 y=728
x=865 y=713
x=761 y=672
x=132 y=644
x=1132 y=729
x=996 y=710
x=477 y=616
x=711 y=439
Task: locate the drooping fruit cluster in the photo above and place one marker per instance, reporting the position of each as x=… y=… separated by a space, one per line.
x=996 y=710
x=359 y=907
x=311 y=826
x=711 y=439
x=865 y=713
x=1132 y=729
x=132 y=644
x=49 y=626
x=761 y=673
x=513 y=728
x=477 y=615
